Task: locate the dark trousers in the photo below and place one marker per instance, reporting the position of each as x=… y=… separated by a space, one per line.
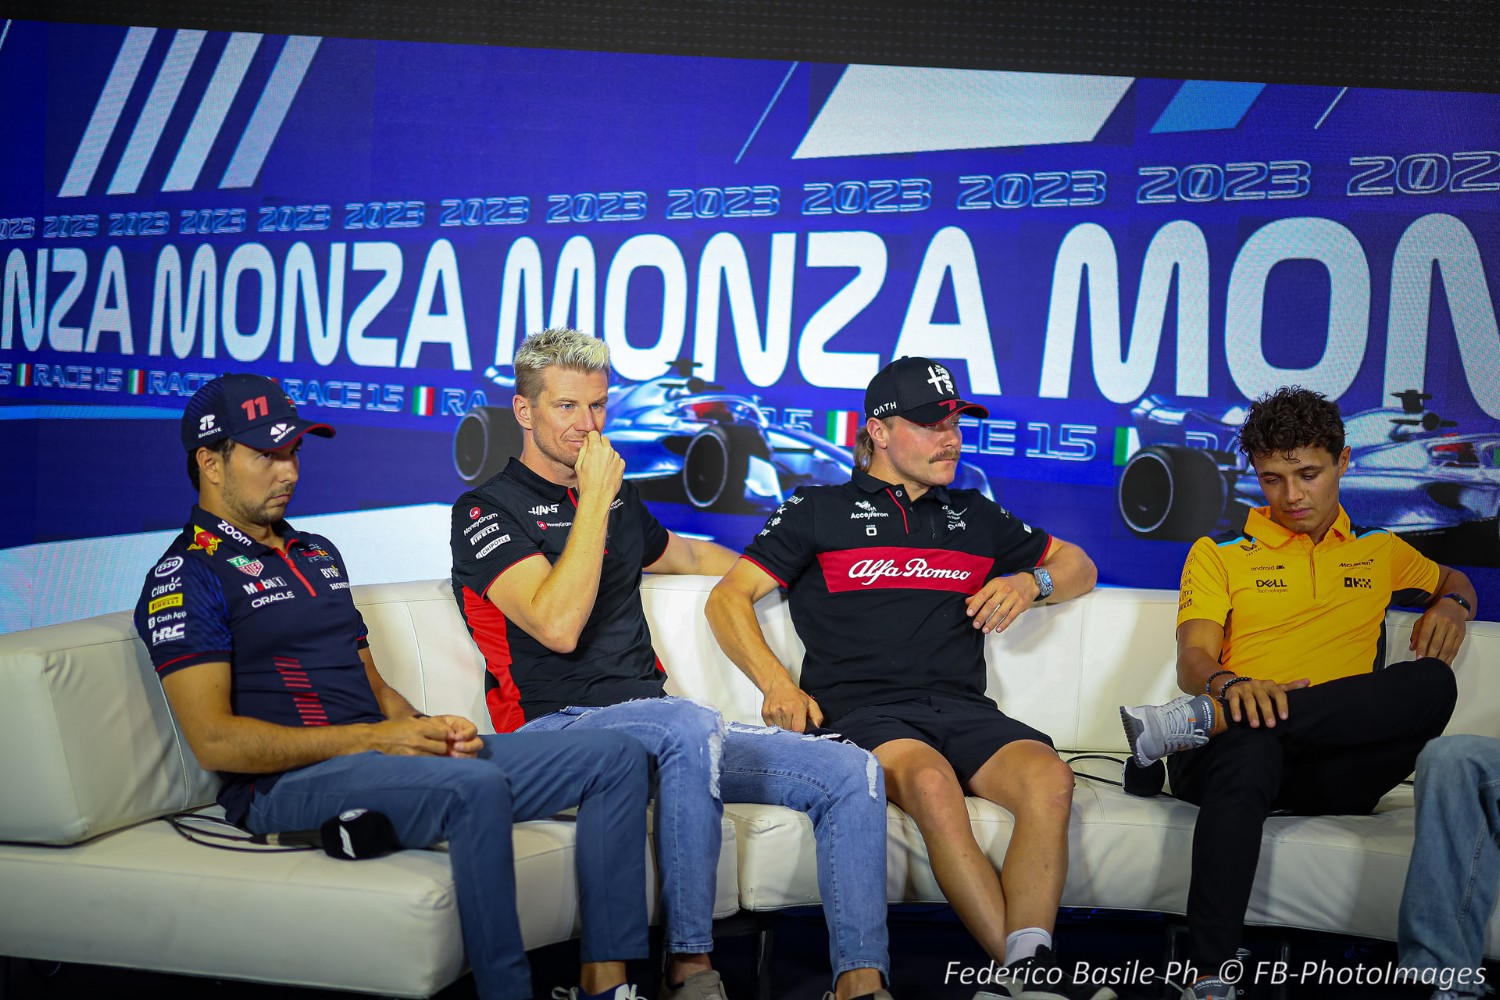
x=1344 y=744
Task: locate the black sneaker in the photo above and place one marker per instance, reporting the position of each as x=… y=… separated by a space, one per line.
x=1042 y=977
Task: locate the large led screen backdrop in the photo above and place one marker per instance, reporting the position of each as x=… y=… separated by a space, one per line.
x=1114 y=266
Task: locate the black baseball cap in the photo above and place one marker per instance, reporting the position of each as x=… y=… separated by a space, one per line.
x=251 y=409
x=919 y=389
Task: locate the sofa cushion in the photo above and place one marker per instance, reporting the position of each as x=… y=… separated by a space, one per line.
x=89 y=743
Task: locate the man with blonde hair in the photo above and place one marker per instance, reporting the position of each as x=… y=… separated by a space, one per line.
x=547 y=562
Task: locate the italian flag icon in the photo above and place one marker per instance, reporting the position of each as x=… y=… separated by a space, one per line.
x=843 y=425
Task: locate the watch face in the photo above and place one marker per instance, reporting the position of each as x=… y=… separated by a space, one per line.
x=1044 y=581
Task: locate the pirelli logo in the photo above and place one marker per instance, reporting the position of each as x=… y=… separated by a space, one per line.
x=170 y=601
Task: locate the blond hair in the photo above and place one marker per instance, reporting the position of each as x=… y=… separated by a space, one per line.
x=561 y=347
x=864 y=445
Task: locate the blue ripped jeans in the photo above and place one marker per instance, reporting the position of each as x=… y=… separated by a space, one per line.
x=702 y=762
x=1455 y=862
x=472 y=804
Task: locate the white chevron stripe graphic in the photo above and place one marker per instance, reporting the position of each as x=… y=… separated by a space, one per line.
x=900 y=109
x=159 y=104
x=266 y=120
x=107 y=112
x=209 y=117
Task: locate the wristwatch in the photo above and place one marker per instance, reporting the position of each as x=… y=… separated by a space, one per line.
x=1043 y=582
x=1461 y=602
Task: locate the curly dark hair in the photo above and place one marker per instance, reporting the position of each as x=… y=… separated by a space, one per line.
x=1291 y=418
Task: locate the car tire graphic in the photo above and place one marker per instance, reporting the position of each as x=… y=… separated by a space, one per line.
x=486 y=439
x=716 y=463
x=1171 y=493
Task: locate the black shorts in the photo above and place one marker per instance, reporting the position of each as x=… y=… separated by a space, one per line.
x=967 y=732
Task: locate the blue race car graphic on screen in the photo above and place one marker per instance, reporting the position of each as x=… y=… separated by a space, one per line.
x=686 y=440
x=1410 y=471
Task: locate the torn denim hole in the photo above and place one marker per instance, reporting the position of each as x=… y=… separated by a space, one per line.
x=872 y=772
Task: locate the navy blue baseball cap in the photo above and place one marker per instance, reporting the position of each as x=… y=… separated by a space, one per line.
x=251 y=409
x=919 y=389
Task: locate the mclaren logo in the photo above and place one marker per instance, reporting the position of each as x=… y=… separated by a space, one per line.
x=220 y=95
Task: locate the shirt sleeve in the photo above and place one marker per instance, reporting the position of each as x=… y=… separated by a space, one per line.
x=786 y=545
x=653 y=536
x=1018 y=545
x=361 y=632
x=182 y=616
x=1411 y=570
x=485 y=542
x=1205 y=585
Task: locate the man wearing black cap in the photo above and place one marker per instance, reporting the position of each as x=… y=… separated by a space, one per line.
x=264 y=659
x=894 y=581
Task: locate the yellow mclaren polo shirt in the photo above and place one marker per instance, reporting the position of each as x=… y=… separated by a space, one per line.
x=1291 y=609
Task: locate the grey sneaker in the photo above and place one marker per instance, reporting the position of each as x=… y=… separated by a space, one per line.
x=1042 y=977
x=626 y=992
x=699 y=986
x=1157 y=730
x=1210 y=988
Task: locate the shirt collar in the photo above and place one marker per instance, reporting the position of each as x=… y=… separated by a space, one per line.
x=1259 y=526
x=870 y=484
x=218 y=533
x=545 y=488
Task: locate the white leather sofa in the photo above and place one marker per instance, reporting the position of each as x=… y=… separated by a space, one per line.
x=91 y=760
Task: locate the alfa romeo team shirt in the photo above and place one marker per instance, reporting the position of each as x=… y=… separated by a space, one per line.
x=878 y=586
x=519 y=515
x=284 y=621
x=1292 y=609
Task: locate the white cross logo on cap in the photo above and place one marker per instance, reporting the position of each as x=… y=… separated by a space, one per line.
x=940 y=379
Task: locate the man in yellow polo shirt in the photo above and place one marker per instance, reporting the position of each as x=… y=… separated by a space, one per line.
x=1278 y=645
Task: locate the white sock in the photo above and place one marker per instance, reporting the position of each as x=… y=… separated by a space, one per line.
x=1024 y=943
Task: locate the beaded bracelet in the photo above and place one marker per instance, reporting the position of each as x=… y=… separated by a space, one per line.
x=1229 y=684
x=1208 y=685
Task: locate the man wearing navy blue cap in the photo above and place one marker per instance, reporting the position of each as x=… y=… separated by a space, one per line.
x=264 y=660
x=894 y=580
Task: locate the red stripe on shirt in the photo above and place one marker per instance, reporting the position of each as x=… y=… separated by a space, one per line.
x=488 y=626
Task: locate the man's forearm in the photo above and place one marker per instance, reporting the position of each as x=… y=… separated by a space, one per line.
x=1454 y=581
x=251 y=746
x=711 y=559
x=731 y=617
x=566 y=598
x=1194 y=668
x=1073 y=574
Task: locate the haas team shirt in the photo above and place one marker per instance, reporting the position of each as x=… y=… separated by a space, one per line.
x=518 y=515
x=878 y=585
